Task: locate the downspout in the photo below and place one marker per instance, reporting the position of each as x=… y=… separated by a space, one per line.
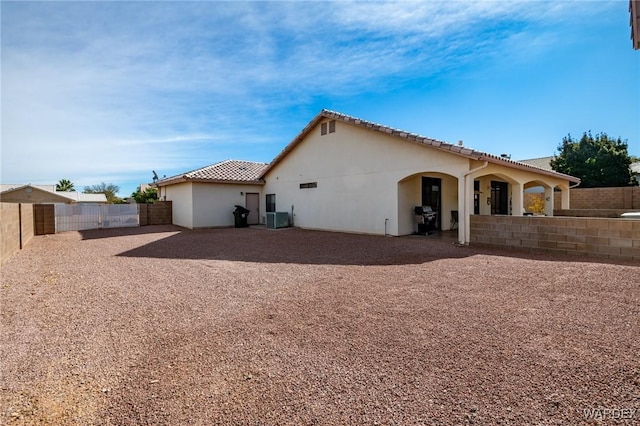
x=569 y=193
x=465 y=215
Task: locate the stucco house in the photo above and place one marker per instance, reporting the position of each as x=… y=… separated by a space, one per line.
x=205 y=197
x=343 y=173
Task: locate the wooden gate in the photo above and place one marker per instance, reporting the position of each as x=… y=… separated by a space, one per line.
x=44 y=217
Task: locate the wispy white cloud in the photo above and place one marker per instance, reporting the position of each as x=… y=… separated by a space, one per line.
x=95 y=89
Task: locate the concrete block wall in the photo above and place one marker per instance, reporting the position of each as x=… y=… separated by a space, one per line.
x=595 y=237
x=158 y=213
x=16 y=228
x=591 y=213
x=625 y=198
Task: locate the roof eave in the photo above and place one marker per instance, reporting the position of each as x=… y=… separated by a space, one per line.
x=232 y=182
x=169 y=181
x=183 y=179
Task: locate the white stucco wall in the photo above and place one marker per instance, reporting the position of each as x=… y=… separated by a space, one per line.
x=181 y=195
x=214 y=203
x=358 y=173
x=206 y=205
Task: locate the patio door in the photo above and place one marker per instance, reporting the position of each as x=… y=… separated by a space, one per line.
x=499 y=197
x=432 y=196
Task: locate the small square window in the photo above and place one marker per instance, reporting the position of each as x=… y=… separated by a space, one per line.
x=323 y=129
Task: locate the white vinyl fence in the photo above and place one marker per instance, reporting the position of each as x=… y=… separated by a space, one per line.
x=78 y=217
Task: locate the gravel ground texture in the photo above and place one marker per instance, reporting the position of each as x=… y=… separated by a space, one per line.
x=165 y=326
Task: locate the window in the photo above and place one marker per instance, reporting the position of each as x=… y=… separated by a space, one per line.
x=308 y=185
x=332 y=126
x=271 y=203
x=323 y=129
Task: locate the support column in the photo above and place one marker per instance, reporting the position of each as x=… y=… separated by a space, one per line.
x=548 y=201
x=463 y=212
x=517 y=199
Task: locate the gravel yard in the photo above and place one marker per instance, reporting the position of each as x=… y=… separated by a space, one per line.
x=160 y=325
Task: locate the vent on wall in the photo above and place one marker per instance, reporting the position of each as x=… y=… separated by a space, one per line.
x=331 y=127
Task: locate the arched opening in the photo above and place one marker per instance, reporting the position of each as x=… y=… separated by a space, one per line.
x=538 y=198
x=436 y=190
x=495 y=193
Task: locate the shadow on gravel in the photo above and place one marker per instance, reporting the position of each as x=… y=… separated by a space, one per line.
x=315 y=247
x=92 y=234
x=297 y=246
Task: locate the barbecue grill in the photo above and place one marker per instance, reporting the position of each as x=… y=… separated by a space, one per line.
x=426 y=219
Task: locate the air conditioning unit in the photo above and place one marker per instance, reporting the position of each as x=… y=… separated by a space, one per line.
x=277 y=220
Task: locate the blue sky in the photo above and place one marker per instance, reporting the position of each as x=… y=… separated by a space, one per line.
x=109 y=91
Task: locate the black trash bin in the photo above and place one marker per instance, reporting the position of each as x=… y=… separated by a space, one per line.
x=240 y=214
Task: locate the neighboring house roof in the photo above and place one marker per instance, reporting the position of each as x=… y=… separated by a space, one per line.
x=7 y=186
x=543 y=162
x=411 y=137
x=228 y=171
x=32 y=194
x=48 y=194
x=81 y=197
x=634 y=11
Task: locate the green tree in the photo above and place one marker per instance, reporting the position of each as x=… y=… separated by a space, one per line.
x=149 y=196
x=598 y=161
x=65 y=185
x=109 y=190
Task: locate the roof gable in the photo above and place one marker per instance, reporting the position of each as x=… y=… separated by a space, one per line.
x=228 y=171
x=32 y=194
x=411 y=137
x=48 y=194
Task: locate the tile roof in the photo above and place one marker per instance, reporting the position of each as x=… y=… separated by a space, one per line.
x=412 y=137
x=228 y=171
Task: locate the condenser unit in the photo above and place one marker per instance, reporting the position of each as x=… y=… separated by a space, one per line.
x=277 y=220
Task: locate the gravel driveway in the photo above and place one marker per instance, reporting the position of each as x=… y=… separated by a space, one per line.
x=159 y=325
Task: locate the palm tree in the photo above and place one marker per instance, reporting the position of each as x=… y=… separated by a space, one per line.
x=65 y=185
